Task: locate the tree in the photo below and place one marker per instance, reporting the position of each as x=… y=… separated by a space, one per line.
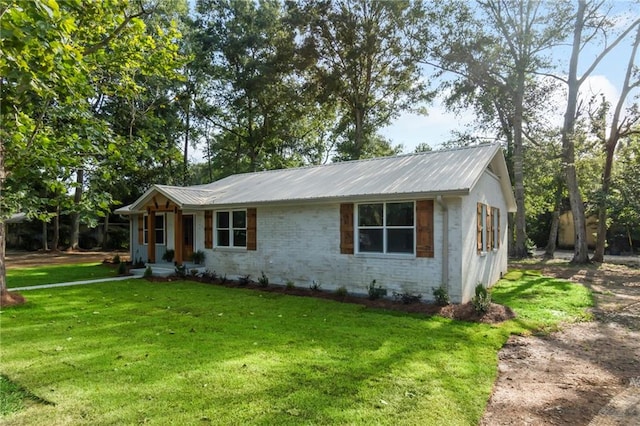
x=51 y=54
x=619 y=128
x=364 y=55
x=495 y=51
x=588 y=23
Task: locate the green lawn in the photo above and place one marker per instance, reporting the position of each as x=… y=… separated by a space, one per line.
x=27 y=277
x=134 y=352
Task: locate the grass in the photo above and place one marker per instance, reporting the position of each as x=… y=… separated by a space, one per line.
x=27 y=277
x=185 y=353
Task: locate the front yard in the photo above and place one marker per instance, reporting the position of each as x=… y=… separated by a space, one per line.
x=188 y=353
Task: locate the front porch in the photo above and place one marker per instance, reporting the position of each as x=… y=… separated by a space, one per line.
x=166 y=269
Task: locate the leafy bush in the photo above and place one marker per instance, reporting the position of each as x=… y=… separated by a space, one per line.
x=376 y=292
x=407 y=298
x=194 y=272
x=482 y=300
x=169 y=255
x=223 y=279
x=342 y=291
x=263 y=280
x=139 y=263
x=181 y=271
x=290 y=285
x=441 y=295
x=210 y=276
x=315 y=285
x=116 y=259
x=198 y=257
x=122 y=268
x=244 y=279
x=148 y=272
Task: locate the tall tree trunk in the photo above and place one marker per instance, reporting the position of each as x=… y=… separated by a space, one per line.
x=185 y=165
x=45 y=237
x=580 y=250
x=55 y=244
x=105 y=233
x=520 y=248
x=610 y=148
x=75 y=216
x=550 y=249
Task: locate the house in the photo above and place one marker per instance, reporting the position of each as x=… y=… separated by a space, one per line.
x=410 y=222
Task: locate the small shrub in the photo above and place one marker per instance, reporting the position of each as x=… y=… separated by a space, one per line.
x=376 y=292
x=224 y=279
x=122 y=268
x=290 y=285
x=148 y=273
x=342 y=291
x=116 y=259
x=407 y=298
x=198 y=257
x=194 y=272
x=181 y=271
x=169 y=255
x=244 y=279
x=210 y=276
x=441 y=295
x=139 y=263
x=263 y=280
x=315 y=285
x=482 y=300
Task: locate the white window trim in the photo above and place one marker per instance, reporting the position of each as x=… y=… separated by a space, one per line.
x=230 y=229
x=384 y=227
x=145 y=229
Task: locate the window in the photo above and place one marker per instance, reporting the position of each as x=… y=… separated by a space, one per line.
x=386 y=228
x=159 y=229
x=231 y=228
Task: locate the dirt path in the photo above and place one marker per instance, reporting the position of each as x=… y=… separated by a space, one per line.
x=588 y=373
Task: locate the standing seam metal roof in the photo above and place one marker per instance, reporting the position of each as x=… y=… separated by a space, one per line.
x=438 y=172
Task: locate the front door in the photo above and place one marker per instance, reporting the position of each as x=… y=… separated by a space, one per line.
x=187 y=236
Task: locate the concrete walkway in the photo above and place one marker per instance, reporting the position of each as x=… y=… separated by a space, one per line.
x=100 y=280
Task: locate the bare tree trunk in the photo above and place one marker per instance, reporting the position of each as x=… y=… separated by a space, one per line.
x=555 y=222
x=105 y=232
x=580 y=250
x=55 y=244
x=520 y=248
x=3 y=275
x=186 y=143
x=45 y=237
x=75 y=216
x=610 y=147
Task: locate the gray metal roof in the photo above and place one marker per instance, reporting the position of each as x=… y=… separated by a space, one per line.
x=436 y=172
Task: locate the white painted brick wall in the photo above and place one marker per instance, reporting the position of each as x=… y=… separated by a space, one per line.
x=302 y=244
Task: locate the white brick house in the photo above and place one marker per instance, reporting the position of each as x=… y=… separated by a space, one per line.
x=411 y=222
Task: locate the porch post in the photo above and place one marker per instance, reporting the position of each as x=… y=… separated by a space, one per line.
x=178 y=237
x=151 y=236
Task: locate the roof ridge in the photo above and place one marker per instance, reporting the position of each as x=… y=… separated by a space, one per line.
x=363 y=160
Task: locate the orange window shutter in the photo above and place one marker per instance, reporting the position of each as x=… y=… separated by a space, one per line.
x=252 y=216
x=489 y=229
x=424 y=222
x=479 y=228
x=140 y=229
x=346 y=228
x=208 y=229
x=498 y=226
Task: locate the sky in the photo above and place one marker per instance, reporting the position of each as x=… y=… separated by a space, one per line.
x=435 y=128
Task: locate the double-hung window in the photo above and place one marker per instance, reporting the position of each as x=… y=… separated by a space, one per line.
x=386 y=227
x=231 y=228
x=159 y=229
